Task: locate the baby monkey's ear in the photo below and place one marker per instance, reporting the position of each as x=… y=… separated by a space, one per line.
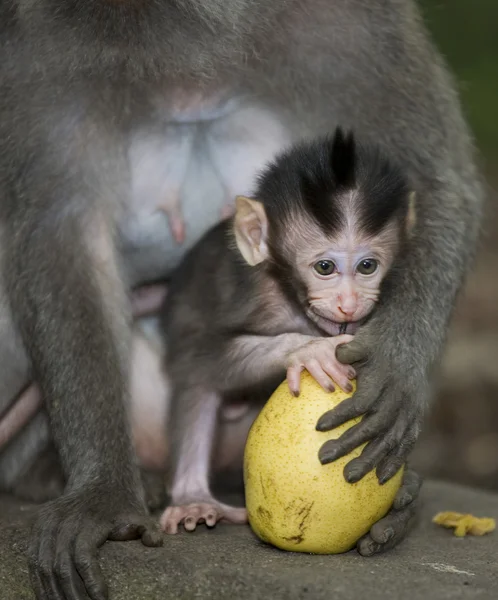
x=411 y=217
x=251 y=229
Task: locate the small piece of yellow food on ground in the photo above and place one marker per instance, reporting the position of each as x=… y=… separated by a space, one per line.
x=465 y=524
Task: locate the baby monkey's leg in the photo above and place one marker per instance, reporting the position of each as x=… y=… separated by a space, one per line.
x=193 y=429
x=319 y=359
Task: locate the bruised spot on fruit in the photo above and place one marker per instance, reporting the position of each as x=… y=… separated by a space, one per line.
x=264 y=514
x=296 y=539
x=302 y=512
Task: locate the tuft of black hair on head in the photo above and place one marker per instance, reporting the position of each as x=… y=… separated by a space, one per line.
x=312 y=177
x=343 y=158
x=383 y=190
x=307 y=178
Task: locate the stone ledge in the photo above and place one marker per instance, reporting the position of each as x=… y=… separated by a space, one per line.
x=228 y=563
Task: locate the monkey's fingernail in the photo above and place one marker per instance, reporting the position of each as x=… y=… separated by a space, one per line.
x=349 y=387
x=351 y=373
x=322 y=425
x=353 y=475
x=388 y=534
x=387 y=475
x=327 y=456
x=295 y=393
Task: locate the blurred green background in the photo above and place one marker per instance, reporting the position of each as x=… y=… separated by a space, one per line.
x=466 y=32
x=460 y=437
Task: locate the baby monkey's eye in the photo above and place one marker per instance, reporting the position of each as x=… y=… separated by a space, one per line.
x=324 y=267
x=367 y=266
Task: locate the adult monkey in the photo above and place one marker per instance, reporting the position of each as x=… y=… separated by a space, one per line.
x=112 y=109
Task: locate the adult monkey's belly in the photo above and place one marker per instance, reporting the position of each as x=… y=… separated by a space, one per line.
x=186 y=167
x=189 y=168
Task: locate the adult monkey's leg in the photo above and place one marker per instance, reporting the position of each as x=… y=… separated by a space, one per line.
x=69 y=302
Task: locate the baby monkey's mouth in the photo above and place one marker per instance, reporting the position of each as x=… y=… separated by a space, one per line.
x=333 y=327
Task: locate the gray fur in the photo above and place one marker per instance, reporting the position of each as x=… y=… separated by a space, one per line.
x=79 y=80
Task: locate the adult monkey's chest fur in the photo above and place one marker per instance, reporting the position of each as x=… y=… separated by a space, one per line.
x=197 y=155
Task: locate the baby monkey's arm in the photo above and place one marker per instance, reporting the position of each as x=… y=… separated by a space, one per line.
x=252 y=358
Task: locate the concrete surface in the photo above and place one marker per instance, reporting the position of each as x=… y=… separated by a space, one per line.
x=229 y=563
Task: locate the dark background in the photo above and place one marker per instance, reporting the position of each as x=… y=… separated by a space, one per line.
x=460 y=438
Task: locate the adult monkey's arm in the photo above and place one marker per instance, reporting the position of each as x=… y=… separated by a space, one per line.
x=374 y=69
x=391 y=85
x=69 y=302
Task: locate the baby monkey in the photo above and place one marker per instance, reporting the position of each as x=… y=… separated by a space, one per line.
x=272 y=291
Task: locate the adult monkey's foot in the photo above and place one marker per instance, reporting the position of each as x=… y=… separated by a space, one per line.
x=393 y=528
x=63 y=548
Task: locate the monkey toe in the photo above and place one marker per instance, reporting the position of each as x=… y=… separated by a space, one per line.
x=170 y=519
x=194 y=514
x=190 y=515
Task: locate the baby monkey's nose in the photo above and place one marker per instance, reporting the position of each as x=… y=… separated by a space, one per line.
x=346 y=311
x=348 y=305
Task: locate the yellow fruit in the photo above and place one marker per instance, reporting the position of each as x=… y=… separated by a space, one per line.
x=293 y=501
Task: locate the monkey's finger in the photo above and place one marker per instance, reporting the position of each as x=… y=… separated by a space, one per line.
x=409 y=490
x=147 y=532
x=87 y=566
x=126 y=532
x=152 y=537
x=338 y=373
x=373 y=453
x=367 y=393
x=33 y=564
x=392 y=463
x=70 y=581
x=352 y=352
x=294 y=378
x=47 y=564
x=315 y=369
x=367 y=429
x=36 y=583
x=388 y=532
x=40 y=560
x=343 y=338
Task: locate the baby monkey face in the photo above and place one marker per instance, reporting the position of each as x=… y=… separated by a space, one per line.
x=343 y=276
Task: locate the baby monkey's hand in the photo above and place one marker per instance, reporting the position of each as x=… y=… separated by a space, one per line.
x=319 y=359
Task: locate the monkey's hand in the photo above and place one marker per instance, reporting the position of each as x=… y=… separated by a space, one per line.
x=63 y=549
x=390 y=397
x=318 y=357
x=390 y=530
